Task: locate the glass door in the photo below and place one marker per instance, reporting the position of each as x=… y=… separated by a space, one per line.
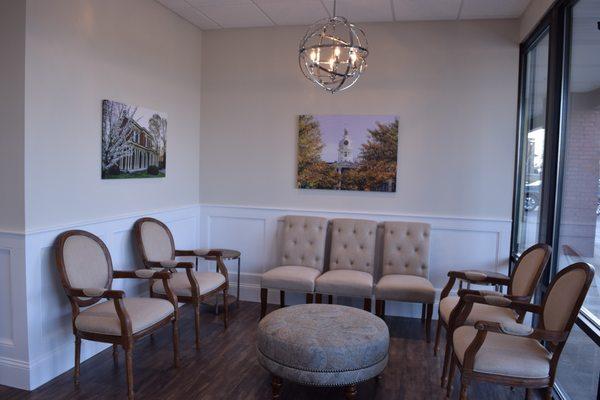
x=531 y=142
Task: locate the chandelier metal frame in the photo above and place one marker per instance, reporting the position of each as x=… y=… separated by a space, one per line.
x=335 y=74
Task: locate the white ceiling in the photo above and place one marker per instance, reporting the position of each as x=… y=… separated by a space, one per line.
x=218 y=14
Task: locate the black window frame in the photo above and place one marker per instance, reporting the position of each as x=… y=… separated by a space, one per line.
x=558 y=23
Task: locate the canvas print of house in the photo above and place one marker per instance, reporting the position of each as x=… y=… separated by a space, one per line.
x=134 y=141
x=347 y=152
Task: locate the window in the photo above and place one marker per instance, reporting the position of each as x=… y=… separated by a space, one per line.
x=557 y=171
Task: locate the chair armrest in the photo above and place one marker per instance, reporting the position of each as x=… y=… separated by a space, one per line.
x=521 y=330
x=96 y=292
x=142 y=274
x=198 y=253
x=480 y=277
x=169 y=264
x=503 y=301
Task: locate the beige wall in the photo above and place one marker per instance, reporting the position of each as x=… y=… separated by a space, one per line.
x=532 y=15
x=453 y=86
x=80 y=52
x=12 y=118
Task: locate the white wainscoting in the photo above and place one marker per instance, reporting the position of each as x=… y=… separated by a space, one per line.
x=35 y=349
x=456 y=243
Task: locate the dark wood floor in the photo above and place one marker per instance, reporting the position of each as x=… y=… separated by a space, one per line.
x=226 y=368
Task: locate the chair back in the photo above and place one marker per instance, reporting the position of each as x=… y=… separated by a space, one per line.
x=83 y=262
x=565 y=297
x=353 y=245
x=406 y=248
x=304 y=241
x=528 y=270
x=154 y=240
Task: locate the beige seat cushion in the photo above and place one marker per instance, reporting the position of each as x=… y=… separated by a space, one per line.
x=505 y=355
x=408 y=288
x=345 y=282
x=102 y=318
x=480 y=312
x=290 y=277
x=181 y=286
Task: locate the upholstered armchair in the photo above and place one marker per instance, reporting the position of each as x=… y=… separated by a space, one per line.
x=511 y=353
x=405 y=269
x=521 y=287
x=351 y=261
x=86 y=272
x=302 y=259
x=156 y=248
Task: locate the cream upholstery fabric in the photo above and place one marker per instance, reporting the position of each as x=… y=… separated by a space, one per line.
x=408 y=288
x=562 y=298
x=181 y=286
x=304 y=241
x=85 y=263
x=504 y=355
x=353 y=245
x=290 y=277
x=527 y=268
x=156 y=241
x=143 y=312
x=345 y=283
x=480 y=312
x=406 y=248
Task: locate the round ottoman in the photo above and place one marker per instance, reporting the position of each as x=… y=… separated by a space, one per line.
x=322 y=345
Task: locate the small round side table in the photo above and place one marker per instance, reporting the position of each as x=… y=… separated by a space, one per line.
x=228 y=254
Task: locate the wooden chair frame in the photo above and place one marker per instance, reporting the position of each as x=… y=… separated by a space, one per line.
x=555 y=340
x=80 y=297
x=495 y=279
x=196 y=298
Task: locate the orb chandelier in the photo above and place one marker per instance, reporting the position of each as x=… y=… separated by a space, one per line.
x=333 y=53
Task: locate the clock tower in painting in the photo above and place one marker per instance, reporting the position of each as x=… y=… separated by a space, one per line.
x=345 y=149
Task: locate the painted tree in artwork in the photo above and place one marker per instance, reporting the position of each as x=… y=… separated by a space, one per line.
x=313 y=172
x=117 y=119
x=157 y=125
x=377 y=161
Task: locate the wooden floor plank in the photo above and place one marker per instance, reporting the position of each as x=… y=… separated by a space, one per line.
x=226 y=368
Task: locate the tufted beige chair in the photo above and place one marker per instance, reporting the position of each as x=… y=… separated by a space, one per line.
x=302 y=259
x=405 y=269
x=351 y=262
x=510 y=353
x=156 y=248
x=521 y=286
x=86 y=272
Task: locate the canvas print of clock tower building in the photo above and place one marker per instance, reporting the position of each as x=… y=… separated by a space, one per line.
x=347 y=152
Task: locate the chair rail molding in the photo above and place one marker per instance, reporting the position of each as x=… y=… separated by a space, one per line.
x=456 y=243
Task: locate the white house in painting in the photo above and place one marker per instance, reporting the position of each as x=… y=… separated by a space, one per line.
x=145 y=151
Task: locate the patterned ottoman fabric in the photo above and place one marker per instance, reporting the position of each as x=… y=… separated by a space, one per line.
x=323 y=344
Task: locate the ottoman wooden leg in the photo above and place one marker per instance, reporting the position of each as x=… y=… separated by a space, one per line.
x=276 y=387
x=351 y=392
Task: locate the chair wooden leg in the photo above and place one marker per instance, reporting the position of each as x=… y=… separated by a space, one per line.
x=464 y=385
x=264 y=293
x=197 y=323
x=428 y=322
x=423 y=308
x=367 y=304
x=276 y=387
x=450 y=378
x=77 y=369
x=528 y=394
x=379 y=308
x=351 y=392
x=330 y=299
x=281 y=298
x=129 y=368
x=225 y=309
x=318 y=298
x=309 y=298
x=175 y=343
x=548 y=394
x=447 y=360
x=436 y=346
x=115 y=349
